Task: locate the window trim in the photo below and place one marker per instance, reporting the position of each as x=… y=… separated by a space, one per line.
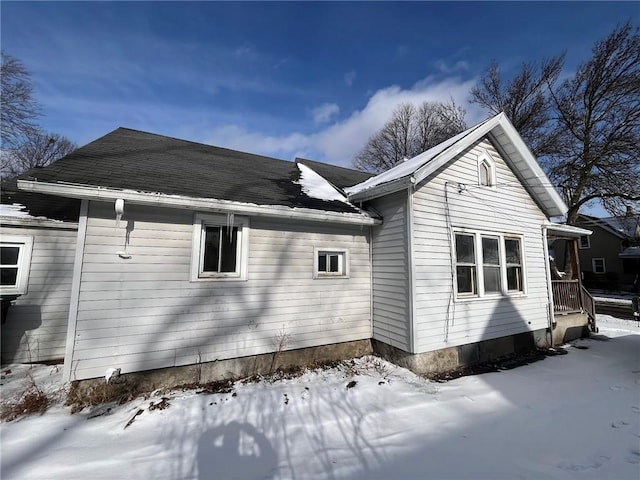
x=593 y=265
x=588 y=245
x=473 y=265
x=25 y=245
x=486 y=159
x=200 y=222
x=331 y=250
x=479 y=262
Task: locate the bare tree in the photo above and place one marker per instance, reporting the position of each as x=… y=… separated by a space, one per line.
x=525 y=99
x=597 y=123
x=37 y=150
x=24 y=144
x=19 y=109
x=409 y=132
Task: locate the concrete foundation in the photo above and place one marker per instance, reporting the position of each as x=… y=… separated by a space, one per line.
x=452 y=358
x=93 y=391
x=209 y=372
x=570 y=326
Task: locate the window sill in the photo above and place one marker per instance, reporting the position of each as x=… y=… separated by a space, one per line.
x=486 y=298
x=218 y=279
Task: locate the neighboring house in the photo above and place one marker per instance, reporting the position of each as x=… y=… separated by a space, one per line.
x=38 y=244
x=191 y=254
x=610 y=257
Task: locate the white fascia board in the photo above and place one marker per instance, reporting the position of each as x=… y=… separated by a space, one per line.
x=38 y=223
x=200 y=204
x=546 y=197
x=444 y=157
x=382 y=189
x=566 y=231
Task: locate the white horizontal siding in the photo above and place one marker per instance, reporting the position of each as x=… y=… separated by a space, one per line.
x=36 y=325
x=143 y=312
x=391 y=272
x=507 y=208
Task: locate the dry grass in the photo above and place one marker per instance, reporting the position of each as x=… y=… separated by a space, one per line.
x=33 y=400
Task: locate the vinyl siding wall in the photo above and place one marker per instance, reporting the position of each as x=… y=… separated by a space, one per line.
x=441 y=321
x=36 y=325
x=391 y=315
x=144 y=312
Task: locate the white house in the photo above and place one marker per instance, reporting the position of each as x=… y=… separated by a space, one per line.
x=191 y=254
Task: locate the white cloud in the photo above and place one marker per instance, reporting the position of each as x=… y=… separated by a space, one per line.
x=325 y=112
x=459 y=66
x=339 y=142
x=349 y=78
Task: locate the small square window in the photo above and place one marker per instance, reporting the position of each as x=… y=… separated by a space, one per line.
x=331 y=263
x=219 y=247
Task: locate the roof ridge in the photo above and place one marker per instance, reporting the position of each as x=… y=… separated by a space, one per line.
x=354 y=170
x=207 y=145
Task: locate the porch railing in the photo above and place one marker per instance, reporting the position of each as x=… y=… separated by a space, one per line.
x=571 y=297
x=567 y=297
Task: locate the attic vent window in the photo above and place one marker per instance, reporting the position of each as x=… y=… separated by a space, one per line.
x=486 y=171
x=219 y=248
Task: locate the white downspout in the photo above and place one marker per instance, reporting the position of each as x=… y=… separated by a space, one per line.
x=547 y=269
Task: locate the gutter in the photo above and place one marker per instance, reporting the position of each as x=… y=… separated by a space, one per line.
x=191 y=203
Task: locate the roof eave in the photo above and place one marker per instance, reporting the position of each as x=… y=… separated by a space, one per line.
x=91 y=192
x=562 y=230
x=382 y=189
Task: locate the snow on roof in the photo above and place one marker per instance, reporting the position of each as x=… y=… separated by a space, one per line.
x=630 y=252
x=17 y=210
x=316 y=186
x=407 y=167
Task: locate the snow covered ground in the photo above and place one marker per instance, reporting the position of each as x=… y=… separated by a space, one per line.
x=569 y=416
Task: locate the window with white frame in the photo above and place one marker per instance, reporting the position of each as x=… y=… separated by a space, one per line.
x=491 y=269
x=330 y=263
x=466 y=265
x=501 y=261
x=585 y=242
x=220 y=247
x=598 y=265
x=15 y=260
x=513 y=263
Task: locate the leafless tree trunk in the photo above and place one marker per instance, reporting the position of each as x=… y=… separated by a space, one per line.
x=409 y=132
x=19 y=109
x=586 y=130
x=23 y=144
x=37 y=150
x=597 y=122
x=524 y=99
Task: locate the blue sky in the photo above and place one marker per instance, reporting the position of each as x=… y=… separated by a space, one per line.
x=279 y=79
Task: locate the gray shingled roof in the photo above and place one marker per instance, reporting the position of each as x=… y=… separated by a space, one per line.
x=38 y=204
x=134 y=160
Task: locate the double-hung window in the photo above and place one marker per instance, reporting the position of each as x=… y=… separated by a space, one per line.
x=491 y=264
x=466 y=266
x=15 y=260
x=488 y=264
x=220 y=247
x=513 y=257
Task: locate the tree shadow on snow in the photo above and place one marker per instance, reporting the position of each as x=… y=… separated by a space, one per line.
x=235 y=451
